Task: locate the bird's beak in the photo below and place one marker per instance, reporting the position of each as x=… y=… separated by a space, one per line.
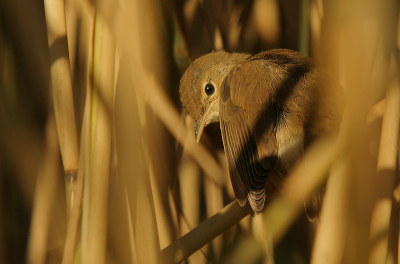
x=199 y=127
x=209 y=116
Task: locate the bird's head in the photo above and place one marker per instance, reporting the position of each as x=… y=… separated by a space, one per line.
x=201 y=84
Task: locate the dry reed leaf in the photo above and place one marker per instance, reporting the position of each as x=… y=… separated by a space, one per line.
x=163 y=174
x=120 y=230
x=132 y=168
x=164 y=215
x=166 y=224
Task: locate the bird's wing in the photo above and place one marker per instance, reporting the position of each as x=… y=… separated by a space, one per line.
x=271 y=106
x=248 y=119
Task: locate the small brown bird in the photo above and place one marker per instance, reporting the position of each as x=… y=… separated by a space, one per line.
x=270 y=107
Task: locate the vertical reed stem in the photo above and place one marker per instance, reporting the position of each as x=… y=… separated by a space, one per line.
x=62 y=92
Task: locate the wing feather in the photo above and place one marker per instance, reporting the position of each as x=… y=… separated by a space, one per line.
x=248 y=176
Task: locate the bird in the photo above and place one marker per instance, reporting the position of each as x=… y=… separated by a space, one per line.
x=271 y=106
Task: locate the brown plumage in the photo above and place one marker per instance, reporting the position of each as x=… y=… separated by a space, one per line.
x=270 y=107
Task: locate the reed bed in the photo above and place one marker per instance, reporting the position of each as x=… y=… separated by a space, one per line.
x=98 y=160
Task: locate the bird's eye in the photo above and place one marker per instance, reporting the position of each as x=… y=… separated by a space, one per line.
x=209 y=89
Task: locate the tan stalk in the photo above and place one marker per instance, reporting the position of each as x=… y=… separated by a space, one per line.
x=189 y=180
x=387 y=162
x=331 y=233
x=72 y=229
x=214 y=201
x=101 y=131
x=44 y=198
x=62 y=92
x=185 y=246
x=73 y=221
x=86 y=48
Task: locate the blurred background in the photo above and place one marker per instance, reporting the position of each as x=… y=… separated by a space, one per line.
x=98 y=161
